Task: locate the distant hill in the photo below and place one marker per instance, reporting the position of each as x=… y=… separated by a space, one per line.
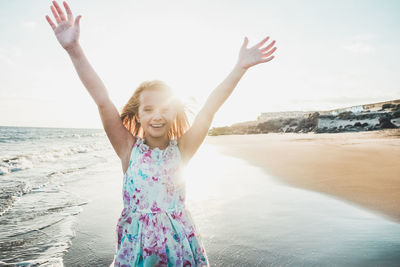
x=368 y=117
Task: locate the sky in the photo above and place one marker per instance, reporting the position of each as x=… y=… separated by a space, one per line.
x=331 y=54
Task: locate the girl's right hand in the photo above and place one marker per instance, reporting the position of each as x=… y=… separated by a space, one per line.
x=67 y=31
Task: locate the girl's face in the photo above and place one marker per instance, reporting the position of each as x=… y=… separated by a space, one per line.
x=156 y=114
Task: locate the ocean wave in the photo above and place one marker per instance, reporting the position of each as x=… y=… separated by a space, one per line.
x=28 y=161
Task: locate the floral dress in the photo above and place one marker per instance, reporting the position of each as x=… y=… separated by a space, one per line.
x=155 y=228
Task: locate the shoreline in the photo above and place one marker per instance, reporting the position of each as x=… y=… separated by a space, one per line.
x=360 y=168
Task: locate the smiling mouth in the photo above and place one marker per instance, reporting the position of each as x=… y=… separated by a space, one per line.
x=157 y=125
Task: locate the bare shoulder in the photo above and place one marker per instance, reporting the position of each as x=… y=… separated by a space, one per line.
x=192 y=139
x=131 y=142
x=182 y=150
x=127 y=153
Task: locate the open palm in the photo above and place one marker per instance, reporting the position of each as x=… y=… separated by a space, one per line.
x=255 y=55
x=67 y=30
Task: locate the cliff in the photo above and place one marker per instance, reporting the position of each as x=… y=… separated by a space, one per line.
x=363 y=118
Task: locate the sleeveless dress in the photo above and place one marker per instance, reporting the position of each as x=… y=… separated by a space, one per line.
x=155 y=228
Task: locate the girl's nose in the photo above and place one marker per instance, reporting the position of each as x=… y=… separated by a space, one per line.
x=157 y=114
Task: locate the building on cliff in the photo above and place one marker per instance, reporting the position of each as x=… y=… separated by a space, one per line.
x=360 y=108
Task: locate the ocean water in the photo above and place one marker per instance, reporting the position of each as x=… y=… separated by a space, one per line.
x=245 y=216
x=36 y=212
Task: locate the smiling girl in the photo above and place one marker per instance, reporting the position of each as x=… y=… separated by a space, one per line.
x=154 y=141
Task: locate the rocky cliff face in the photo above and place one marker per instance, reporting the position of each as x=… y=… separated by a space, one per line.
x=387 y=117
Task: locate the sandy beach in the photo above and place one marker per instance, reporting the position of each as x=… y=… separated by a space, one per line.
x=361 y=168
x=298 y=226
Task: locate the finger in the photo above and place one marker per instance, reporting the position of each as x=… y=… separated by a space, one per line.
x=53 y=10
x=59 y=10
x=268 y=47
x=77 y=20
x=270 y=52
x=262 y=42
x=245 y=42
x=53 y=26
x=266 y=60
x=69 y=12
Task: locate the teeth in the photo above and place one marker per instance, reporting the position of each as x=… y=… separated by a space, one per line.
x=157 y=125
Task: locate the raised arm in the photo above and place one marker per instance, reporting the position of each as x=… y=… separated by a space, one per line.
x=67 y=33
x=248 y=57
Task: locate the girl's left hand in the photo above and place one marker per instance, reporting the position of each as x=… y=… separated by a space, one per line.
x=249 y=57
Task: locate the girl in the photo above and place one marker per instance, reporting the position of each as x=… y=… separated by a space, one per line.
x=153 y=139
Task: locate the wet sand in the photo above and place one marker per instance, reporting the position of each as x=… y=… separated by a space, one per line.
x=360 y=168
x=357 y=167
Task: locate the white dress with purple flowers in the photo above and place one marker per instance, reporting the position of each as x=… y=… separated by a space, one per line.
x=155 y=228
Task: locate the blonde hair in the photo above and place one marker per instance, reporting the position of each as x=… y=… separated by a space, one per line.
x=128 y=113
